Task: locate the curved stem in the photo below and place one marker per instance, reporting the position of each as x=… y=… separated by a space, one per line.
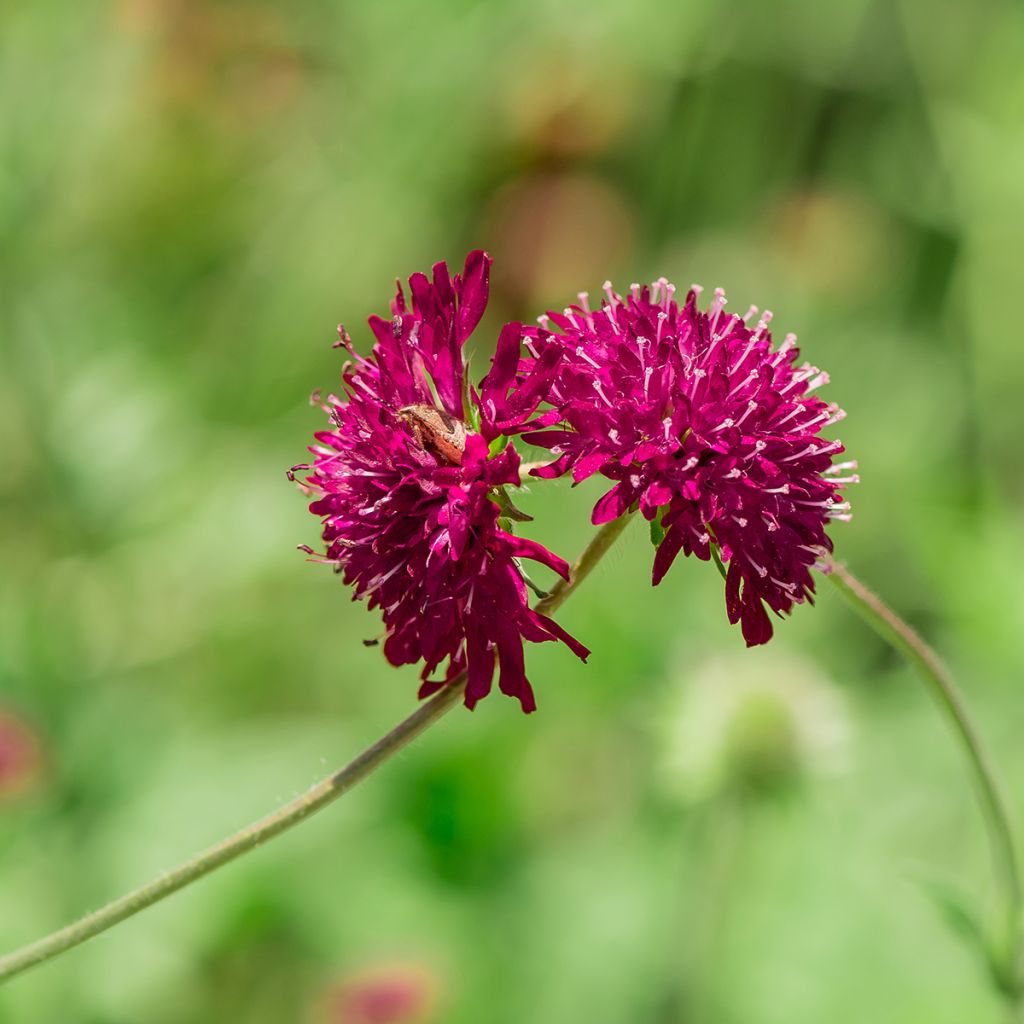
x=315 y=799
x=947 y=693
x=599 y=544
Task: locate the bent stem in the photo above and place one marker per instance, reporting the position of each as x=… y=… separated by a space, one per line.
x=986 y=777
x=315 y=799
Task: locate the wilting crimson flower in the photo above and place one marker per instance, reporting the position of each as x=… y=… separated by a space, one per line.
x=406 y=483
x=704 y=426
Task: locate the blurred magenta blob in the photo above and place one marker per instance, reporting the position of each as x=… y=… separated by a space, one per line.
x=384 y=994
x=20 y=756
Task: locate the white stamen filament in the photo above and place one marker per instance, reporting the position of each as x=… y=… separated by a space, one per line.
x=811 y=449
x=766 y=319
x=788 y=342
x=378 y=581
x=716 y=306
x=804 y=373
x=751 y=406
x=742 y=358
x=359 y=382
x=743 y=383
x=821 y=417
x=600 y=391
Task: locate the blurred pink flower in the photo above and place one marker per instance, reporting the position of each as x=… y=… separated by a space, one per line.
x=20 y=758
x=394 y=994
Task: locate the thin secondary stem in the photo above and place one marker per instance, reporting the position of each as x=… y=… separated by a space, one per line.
x=315 y=799
x=948 y=695
x=605 y=537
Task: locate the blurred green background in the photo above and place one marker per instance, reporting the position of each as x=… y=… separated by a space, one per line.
x=192 y=195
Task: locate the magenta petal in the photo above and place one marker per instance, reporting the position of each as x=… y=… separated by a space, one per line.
x=506 y=360
x=588 y=466
x=475 y=450
x=443 y=287
x=669 y=547
x=754 y=621
x=568 y=639
x=480 y=670
x=382 y=329
x=610 y=507
x=512 y=679
x=473 y=292
x=521 y=547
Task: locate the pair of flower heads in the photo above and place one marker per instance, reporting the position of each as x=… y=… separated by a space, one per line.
x=692 y=415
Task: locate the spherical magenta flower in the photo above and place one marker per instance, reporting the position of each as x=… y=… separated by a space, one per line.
x=706 y=428
x=407 y=486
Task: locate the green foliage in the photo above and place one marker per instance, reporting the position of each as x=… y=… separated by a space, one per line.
x=192 y=195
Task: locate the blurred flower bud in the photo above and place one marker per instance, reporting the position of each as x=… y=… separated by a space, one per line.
x=754 y=725
x=384 y=994
x=20 y=758
x=554 y=231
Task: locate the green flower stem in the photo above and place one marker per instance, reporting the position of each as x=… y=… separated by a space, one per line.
x=315 y=799
x=943 y=687
x=605 y=537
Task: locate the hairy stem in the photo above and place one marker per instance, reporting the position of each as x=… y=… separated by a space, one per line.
x=986 y=778
x=315 y=799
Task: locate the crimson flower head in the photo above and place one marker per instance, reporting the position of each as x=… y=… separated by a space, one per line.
x=707 y=428
x=408 y=486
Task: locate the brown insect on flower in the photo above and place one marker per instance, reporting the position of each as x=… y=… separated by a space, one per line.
x=436 y=431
